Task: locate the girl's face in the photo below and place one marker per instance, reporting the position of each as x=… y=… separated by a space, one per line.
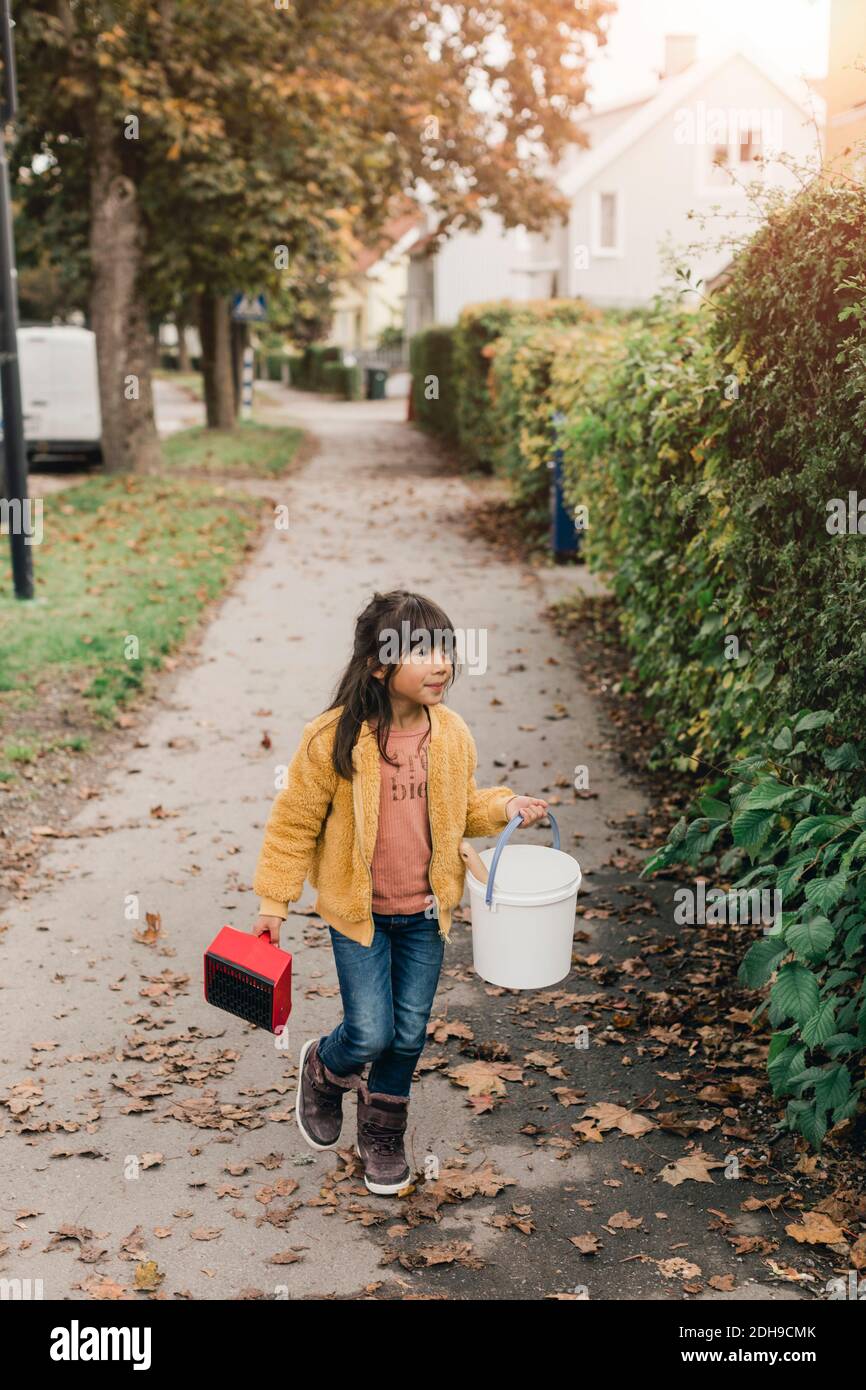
x=423 y=678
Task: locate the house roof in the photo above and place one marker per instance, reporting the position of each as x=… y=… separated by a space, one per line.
x=423 y=245
x=397 y=229
x=672 y=92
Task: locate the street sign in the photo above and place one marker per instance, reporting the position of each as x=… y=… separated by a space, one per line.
x=247 y=308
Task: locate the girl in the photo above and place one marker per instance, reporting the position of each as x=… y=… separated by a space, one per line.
x=378 y=797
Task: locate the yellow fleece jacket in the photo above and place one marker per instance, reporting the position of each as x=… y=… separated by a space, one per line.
x=322 y=827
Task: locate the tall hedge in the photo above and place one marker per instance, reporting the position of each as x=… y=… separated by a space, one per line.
x=451 y=366
x=708 y=453
x=536 y=375
x=793 y=325
x=715 y=454
x=479 y=328
x=431 y=363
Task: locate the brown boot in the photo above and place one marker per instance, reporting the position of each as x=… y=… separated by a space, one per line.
x=381 y=1127
x=319 y=1103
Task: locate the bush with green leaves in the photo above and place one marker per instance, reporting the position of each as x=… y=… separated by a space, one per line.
x=434 y=393
x=342 y=380
x=479 y=329
x=536 y=376
x=296 y=363
x=708 y=452
x=792 y=821
x=315 y=357
x=459 y=359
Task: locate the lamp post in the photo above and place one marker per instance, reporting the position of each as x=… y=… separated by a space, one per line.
x=14 y=451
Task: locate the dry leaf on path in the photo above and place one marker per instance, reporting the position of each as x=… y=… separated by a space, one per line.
x=588 y=1244
x=148 y=1276
x=691 y=1168
x=622 y=1221
x=679 y=1269
x=608 y=1116
x=816 y=1228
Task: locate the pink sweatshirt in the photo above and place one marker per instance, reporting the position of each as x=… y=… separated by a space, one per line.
x=401 y=856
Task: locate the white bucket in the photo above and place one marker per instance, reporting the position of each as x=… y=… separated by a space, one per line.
x=523 y=940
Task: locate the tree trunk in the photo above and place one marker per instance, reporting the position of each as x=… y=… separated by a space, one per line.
x=216 y=351
x=187 y=314
x=184 y=361
x=124 y=345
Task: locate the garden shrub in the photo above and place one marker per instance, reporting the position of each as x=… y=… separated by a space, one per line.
x=431 y=362
x=536 y=375
x=342 y=380
x=296 y=369
x=719 y=454
x=478 y=329
x=792 y=821
x=708 y=452
x=315 y=357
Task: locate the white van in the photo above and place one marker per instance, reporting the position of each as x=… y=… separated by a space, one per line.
x=60 y=392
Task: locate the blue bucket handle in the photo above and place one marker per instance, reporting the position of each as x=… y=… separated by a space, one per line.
x=503 y=841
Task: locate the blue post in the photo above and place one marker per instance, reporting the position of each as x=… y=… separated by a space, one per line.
x=564 y=536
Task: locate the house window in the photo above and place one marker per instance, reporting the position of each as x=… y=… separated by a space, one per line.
x=750 y=146
x=607 y=223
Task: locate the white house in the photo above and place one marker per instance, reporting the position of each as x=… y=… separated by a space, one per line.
x=469 y=267
x=668 y=168
x=373 y=297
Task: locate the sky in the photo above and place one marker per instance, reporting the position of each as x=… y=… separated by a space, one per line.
x=793 y=33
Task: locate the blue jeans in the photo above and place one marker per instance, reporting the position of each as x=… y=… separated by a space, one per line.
x=387 y=989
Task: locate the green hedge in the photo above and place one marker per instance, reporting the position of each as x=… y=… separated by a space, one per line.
x=478 y=330
x=315 y=357
x=707 y=453
x=311 y=369
x=536 y=375
x=750 y=473
x=296 y=369
x=431 y=364
x=705 y=446
x=450 y=366
x=341 y=380
x=270 y=365
x=709 y=448
x=799 y=836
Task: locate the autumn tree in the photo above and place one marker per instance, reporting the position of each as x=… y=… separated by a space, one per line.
x=209 y=148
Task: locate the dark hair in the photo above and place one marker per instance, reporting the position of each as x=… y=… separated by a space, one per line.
x=361 y=694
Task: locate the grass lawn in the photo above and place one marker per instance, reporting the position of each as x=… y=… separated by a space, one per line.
x=249 y=450
x=124 y=569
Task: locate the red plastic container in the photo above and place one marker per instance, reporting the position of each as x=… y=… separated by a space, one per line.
x=248 y=976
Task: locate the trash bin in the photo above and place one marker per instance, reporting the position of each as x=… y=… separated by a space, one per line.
x=376 y=378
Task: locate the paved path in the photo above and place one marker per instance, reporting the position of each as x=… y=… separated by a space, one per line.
x=111 y=1052
x=175 y=409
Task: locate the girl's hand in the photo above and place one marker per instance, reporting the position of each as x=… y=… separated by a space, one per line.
x=531 y=808
x=271 y=925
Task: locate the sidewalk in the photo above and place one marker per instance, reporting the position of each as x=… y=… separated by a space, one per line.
x=111 y=1052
